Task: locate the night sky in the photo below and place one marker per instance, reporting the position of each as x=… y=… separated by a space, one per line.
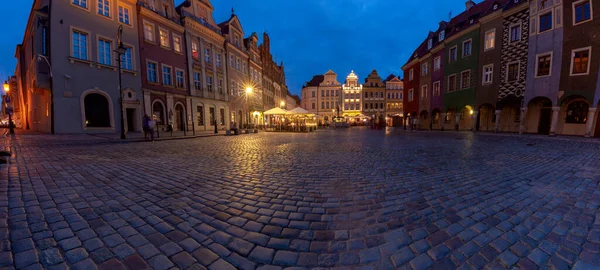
x=310 y=36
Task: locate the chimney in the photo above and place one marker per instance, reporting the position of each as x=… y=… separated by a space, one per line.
x=469 y=4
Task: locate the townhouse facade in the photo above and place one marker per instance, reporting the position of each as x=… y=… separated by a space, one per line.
x=394 y=95
x=512 y=66
x=177 y=64
x=374 y=102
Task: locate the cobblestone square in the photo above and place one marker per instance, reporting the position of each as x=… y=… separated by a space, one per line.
x=340 y=199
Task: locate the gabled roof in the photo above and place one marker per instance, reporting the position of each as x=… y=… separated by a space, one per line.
x=389 y=78
x=233 y=21
x=330 y=72
x=316 y=80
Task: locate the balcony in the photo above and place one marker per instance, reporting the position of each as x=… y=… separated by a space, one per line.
x=159 y=12
x=201 y=21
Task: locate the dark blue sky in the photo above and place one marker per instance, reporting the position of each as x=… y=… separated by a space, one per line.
x=310 y=36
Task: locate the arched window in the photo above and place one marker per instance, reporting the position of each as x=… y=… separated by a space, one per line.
x=577 y=112
x=97 y=111
x=158 y=110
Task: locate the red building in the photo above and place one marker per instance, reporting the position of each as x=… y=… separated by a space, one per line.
x=163 y=65
x=411 y=87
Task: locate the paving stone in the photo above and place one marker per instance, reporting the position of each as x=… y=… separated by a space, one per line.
x=85 y=264
x=241 y=246
x=421 y=262
x=285 y=258
x=205 y=256
x=147 y=251
x=262 y=255
x=508 y=258
x=76 y=255
x=401 y=257
x=50 y=257
x=123 y=251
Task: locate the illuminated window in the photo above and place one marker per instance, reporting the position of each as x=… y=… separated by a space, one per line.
x=195 y=49
x=164 y=37
x=149 y=31
x=580 y=61
x=177 y=43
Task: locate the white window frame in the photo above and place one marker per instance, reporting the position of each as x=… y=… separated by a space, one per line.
x=411 y=74
x=218 y=59
x=448 y=83
x=197 y=81
x=160 y=37
x=177 y=47
x=425 y=68
x=197 y=45
x=470 y=48
x=182 y=78
x=455 y=47
x=518 y=62
x=86 y=7
x=162 y=73
x=411 y=95
x=231 y=60
x=208 y=55
x=589 y=49
x=575 y=3
x=87 y=44
x=438 y=84
x=157 y=74
x=110 y=57
x=209 y=83
x=491 y=73
x=442 y=35
x=147 y=23
x=461 y=79
x=125 y=7
x=424 y=90
x=132 y=50
x=486 y=48
x=510 y=27
x=437 y=63
x=537 y=58
x=109 y=8
x=429 y=44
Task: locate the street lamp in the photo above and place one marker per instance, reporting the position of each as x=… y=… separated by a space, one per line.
x=249 y=91
x=121 y=50
x=8 y=108
x=282 y=104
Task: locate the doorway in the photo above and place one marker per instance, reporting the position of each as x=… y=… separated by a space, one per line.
x=130 y=119
x=179 y=118
x=545 y=120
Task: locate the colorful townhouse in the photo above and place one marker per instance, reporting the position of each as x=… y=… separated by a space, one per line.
x=437 y=77
x=411 y=86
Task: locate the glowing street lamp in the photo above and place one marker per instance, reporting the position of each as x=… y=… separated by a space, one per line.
x=282 y=104
x=8 y=108
x=6 y=87
x=249 y=90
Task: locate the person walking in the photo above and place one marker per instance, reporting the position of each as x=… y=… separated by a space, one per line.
x=146 y=125
x=151 y=125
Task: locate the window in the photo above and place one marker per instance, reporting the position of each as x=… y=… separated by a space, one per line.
x=429 y=43
x=179 y=78
x=127 y=59
x=209 y=83
x=490 y=39
x=213 y=120
x=410 y=74
x=577 y=112
x=322 y=105
x=582 y=10
x=437 y=63
x=104 y=8
x=44 y=40
x=81 y=3
x=424 y=69
x=465 y=79
x=244 y=67
x=167 y=76
x=488 y=73
x=512 y=72
x=515 y=33
x=237 y=64
x=166 y=10
x=104 y=52
x=231 y=60
x=220 y=86
x=177 y=43
x=207 y=55
x=222 y=116
x=218 y=58
x=544 y=63
x=195 y=49
x=580 y=61
x=152 y=76
x=451 y=83
x=327 y=105
x=200 y=115
x=149 y=31
x=124 y=15
x=313 y=106
x=453 y=54
x=80 y=45
x=411 y=95
x=424 y=92
x=322 y=93
x=164 y=37
x=466 y=48
x=197 y=80
x=545 y=22
x=436 y=89
x=442 y=35
x=313 y=93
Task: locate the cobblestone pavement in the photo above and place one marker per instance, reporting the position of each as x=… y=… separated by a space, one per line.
x=344 y=199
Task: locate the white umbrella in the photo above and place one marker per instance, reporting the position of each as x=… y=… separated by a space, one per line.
x=298 y=110
x=276 y=111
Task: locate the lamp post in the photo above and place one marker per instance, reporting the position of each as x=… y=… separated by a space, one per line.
x=8 y=108
x=249 y=91
x=282 y=104
x=120 y=51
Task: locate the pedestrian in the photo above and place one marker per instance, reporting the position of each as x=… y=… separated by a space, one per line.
x=151 y=125
x=146 y=125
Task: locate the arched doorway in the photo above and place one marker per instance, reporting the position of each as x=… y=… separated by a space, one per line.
x=573 y=116
x=97 y=111
x=158 y=112
x=179 y=124
x=424 y=120
x=487 y=118
x=465 y=121
x=450 y=119
x=436 y=121
x=539 y=115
